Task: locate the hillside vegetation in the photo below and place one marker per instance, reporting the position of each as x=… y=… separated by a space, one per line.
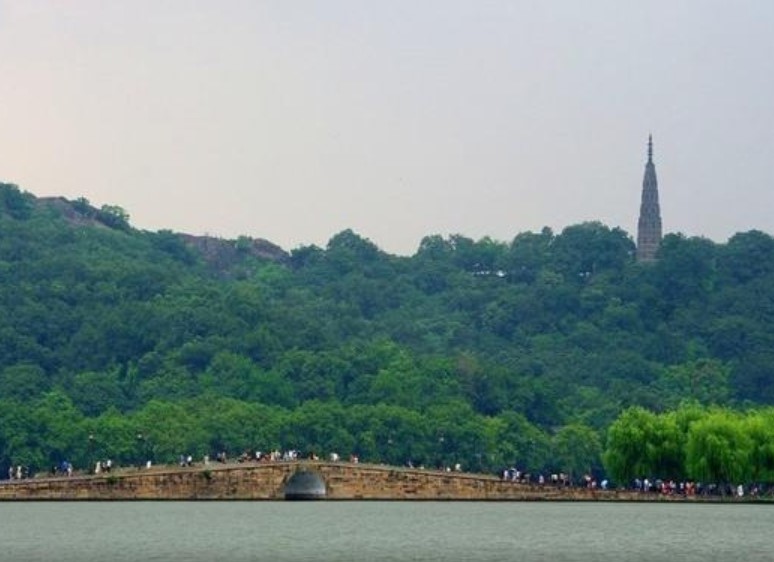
x=121 y=343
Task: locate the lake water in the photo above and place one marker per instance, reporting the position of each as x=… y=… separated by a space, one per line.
x=382 y=531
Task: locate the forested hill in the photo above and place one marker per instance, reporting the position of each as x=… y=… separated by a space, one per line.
x=482 y=352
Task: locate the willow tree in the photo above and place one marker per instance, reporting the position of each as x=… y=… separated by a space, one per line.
x=625 y=457
x=718 y=448
x=759 y=425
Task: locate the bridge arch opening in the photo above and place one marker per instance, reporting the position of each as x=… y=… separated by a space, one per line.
x=305 y=485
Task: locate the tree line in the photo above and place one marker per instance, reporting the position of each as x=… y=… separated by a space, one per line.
x=496 y=353
x=710 y=445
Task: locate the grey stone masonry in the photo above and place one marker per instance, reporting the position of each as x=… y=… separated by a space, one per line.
x=649 y=224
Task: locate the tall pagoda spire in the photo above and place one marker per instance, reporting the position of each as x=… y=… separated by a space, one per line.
x=649 y=224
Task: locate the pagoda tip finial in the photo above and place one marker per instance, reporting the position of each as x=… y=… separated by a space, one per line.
x=650 y=148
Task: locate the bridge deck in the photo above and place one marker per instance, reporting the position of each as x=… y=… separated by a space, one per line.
x=335 y=480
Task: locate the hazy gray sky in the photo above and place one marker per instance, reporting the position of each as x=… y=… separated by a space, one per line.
x=293 y=120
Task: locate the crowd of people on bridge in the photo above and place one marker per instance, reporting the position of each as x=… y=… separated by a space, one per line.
x=276 y=455
x=22 y=472
x=691 y=488
x=186 y=460
x=557 y=479
x=18 y=472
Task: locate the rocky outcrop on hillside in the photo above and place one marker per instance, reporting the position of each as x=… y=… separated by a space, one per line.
x=222 y=254
x=79 y=213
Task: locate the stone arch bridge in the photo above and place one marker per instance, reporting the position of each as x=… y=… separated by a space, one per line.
x=285 y=480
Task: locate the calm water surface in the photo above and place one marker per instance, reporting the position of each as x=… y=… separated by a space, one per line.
x=243 y=531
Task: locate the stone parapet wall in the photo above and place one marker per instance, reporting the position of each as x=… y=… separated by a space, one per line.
x=266 y=481
x=198 y=483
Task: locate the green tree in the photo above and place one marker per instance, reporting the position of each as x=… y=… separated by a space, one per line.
x=626 y=456
x=747 y=255
x=528 y=254
x=93 y=393
x=585 y=250
x=164 y=431
x=12 y=201
x=512 y=441
x=719 y=449
x=577 y=449
x=21 y=437
x=759 y=426
x=705 y=381
x=114 y=217
x=23 y=381
x=62 y=432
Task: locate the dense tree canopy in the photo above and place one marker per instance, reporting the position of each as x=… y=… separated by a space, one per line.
x=712 y=445
x=481 y=352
